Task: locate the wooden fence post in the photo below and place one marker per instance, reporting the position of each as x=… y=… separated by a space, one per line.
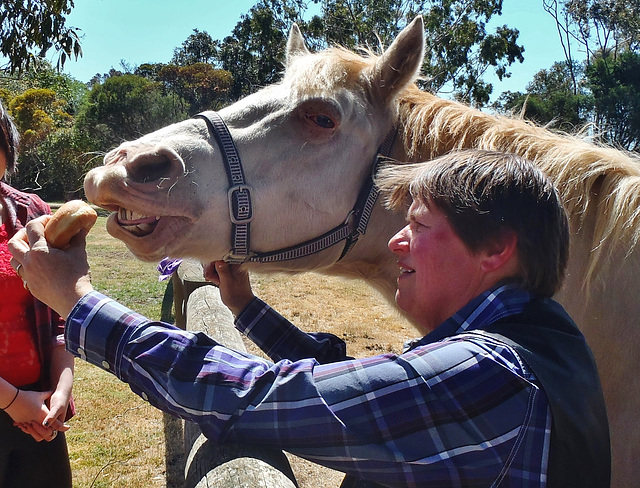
x=198 y=308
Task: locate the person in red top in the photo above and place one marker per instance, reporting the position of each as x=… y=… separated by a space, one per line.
x=36 y=373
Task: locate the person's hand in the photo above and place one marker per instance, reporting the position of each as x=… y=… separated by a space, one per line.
x=29 y=411
x=58 y=405
x=57 y=278
x=233 y=280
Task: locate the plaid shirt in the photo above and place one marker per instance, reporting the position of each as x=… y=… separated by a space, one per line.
x=456 y=409
x=23 y=207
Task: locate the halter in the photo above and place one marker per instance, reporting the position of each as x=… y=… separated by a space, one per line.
x=241 y=208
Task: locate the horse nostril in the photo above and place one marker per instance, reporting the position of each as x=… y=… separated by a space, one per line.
x=149 y=168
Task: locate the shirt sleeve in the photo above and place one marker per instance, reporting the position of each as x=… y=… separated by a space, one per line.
x=397 y=420
x=280 y=339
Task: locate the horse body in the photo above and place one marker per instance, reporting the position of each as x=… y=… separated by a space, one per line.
x=308 y=143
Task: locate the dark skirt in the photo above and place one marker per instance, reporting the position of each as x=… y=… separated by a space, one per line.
x=27 y=463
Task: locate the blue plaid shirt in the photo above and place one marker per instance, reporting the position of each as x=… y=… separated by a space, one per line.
x=456 y=409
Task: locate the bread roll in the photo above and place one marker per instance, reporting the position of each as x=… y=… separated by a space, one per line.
x=68 y=220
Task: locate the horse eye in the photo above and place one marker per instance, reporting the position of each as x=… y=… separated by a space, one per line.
x=322 y=121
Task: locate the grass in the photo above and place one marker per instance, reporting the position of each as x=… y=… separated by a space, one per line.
x=117 y=440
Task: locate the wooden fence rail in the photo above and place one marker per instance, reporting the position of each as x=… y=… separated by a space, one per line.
x=192 y=460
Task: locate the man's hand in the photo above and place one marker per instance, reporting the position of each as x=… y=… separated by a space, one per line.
x=57 y=278
x=233 y=280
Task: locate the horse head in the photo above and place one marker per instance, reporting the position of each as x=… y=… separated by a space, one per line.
x=306 y=145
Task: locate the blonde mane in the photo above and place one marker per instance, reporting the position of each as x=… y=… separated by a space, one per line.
x=322 y=72
x=588 y=176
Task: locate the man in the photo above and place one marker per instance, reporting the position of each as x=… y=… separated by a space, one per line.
x=501 y=390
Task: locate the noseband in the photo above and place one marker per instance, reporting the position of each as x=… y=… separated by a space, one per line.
x=241 y=206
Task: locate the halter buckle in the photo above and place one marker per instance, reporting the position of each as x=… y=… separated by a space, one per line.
x=234 y=258
x=240 y=209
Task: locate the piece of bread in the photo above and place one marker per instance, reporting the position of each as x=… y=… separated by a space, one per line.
x=67 y=221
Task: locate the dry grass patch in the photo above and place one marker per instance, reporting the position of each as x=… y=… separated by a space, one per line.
x=117 y=439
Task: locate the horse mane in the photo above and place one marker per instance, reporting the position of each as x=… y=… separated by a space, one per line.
x=323 y=71
x=588 y=176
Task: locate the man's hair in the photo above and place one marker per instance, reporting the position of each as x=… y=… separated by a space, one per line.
x=9 y=139
x=483 y=194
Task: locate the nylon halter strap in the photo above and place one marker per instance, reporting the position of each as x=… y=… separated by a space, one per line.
x=241 y=207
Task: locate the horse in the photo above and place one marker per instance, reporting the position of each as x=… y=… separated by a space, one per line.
x=281 y=180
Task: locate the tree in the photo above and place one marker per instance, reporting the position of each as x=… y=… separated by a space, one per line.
x=125 y=107
x=550 y=99
x=460 y=51
x=198 y=48
x=29 y=29
x=201 y=85
x=605 y=26
x=53 y=155
x=608 y=33
x=459 y=48
x=47 y=162
x=254 y=53
x=364 y=23
x=615 y=84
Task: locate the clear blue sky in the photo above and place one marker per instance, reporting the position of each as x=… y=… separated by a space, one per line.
x=143 y=31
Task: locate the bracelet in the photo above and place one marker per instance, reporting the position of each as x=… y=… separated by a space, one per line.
x=14 y=399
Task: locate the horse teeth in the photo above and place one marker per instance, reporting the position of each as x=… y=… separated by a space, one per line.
x=129 y=215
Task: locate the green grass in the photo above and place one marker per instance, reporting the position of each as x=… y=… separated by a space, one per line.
x=117 y=273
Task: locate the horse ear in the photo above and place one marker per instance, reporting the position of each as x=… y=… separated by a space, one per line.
x=295 y=44
x=401 y=63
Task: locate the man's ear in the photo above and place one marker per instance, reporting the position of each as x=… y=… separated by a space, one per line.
x=500 y=253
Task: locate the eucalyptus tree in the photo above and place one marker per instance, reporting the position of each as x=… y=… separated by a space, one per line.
x=460 y=47
x=30 y=28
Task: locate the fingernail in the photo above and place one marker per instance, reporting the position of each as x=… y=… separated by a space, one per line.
x=46 y=423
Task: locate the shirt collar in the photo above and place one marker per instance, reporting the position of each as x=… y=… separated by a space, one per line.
x=488 y=307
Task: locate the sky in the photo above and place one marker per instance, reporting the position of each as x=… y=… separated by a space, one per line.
x=144 y=31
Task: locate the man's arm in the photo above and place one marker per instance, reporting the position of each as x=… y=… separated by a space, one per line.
x=375 y=418
x=269 y=330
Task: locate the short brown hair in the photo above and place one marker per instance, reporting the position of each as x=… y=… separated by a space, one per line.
x=483 y=193
x=9 y=138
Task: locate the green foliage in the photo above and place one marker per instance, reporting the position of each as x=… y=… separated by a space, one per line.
x=126 y=107
x=200 y=85
x=254 y=54
x=55 y=169
x=51 y=154
x=29 y=29
x=615 y=84
x=366 y=23
x=198 y=48
x=550 y=99
x=460 y=50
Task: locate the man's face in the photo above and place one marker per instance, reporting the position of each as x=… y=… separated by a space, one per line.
x=438 y=273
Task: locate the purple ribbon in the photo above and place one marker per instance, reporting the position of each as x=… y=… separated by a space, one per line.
x=166 y=267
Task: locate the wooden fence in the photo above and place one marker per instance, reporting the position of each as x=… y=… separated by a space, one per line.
x=192 y=460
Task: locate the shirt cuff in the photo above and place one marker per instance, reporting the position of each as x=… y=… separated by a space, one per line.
x=250 y=311
x=95 y=327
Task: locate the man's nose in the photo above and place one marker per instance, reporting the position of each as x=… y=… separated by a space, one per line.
x=399 y=242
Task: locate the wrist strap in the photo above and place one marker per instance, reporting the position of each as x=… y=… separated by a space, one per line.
x=14 y=399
